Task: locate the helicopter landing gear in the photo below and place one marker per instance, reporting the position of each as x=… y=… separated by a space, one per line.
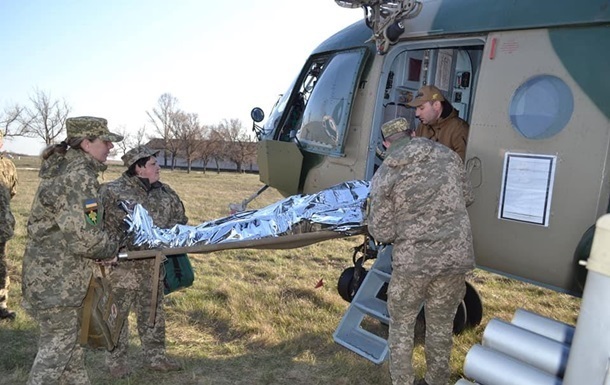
x=468 y=314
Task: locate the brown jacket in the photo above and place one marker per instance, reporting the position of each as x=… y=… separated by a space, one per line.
x=451 y=131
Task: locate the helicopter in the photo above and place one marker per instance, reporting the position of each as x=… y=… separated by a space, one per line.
x=531 y=80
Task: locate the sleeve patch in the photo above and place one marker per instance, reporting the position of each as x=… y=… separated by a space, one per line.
x=90 y=207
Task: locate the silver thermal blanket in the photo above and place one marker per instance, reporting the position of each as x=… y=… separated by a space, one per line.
x=340 y=208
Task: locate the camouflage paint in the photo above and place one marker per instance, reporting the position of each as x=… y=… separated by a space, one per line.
x=584 y=53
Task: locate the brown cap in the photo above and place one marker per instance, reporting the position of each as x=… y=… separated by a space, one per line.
x=136 y=154
x=89 y=126
x=394 y=126
x=426 y=94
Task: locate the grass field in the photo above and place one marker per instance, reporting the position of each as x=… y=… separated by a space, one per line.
x=252 y=316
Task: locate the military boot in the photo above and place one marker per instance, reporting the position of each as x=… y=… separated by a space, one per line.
x=119 y=370
x=165 y=364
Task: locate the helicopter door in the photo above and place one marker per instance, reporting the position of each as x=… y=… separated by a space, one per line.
x=536 y=156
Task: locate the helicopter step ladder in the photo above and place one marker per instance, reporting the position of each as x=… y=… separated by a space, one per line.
x=367 y=304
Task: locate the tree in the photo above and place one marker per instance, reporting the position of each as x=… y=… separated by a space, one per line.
x=140 y=136
x=120 y=148
x=45 y=117
x=239 y=148
x=10 y=120
x=187 y=131
x=218 y=147
x=209 y=147
x=161 y=118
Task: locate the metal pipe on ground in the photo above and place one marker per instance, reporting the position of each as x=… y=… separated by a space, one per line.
x=464 y=382
x=555 y=330
x=489 y=367
x=533 y=349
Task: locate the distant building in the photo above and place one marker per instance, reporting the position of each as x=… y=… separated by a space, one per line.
x=206 y=154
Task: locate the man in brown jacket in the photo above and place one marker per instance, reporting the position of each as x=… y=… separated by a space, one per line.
x=439 y=120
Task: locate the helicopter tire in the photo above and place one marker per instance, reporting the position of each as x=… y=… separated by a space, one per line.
x=474 y=306
x=347 y=286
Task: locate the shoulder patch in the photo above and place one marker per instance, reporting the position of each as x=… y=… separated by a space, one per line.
x=90 y=207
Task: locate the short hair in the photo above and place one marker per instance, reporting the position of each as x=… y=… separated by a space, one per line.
x=131 y=170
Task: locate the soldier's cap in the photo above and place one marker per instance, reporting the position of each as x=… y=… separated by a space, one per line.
x=136 y=154
x=90 y=126
x=394 y=126
x=426 y=94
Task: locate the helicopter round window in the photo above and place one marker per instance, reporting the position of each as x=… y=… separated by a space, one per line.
x=541 y=107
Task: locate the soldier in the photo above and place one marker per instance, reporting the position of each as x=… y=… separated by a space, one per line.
x=8 y=189
x=65 y=235
x=131 y=280
x=439 y=120
x=418 y=203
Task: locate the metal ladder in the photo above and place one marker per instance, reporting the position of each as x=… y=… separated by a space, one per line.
x=366 y=303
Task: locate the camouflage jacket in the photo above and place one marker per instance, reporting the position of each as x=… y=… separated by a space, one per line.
x=418 y=202
x=163 y=205
x=8 y=188
x=451 y=131
x=65 y=231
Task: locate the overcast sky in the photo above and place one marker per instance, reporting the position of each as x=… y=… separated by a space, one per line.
x=115 y=58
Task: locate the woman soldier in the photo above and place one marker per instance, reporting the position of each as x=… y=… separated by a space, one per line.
x=65 y=236
x=130 y=280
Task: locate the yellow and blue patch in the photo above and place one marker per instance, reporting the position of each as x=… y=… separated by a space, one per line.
x=91 y=211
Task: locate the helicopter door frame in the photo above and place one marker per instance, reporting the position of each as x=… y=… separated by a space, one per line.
x=459 y=89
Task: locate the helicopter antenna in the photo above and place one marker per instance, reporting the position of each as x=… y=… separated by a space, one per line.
x=385 y=18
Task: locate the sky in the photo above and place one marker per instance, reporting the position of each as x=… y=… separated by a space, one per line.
x=115 y=58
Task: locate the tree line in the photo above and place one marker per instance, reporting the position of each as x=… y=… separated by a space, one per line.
x=180 y=133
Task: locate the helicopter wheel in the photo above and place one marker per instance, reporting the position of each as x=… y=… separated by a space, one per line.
x=349 y=282
x=474 y=306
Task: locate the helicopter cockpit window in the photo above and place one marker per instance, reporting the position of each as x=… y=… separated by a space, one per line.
x=541 y=107
x=327 y=92
x=276 y=113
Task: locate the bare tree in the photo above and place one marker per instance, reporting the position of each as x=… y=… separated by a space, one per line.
x=45 y=118
x=10 y=120
x=124 y=145
x=140 y=137
x=218 y=147
x=161 y=118
x=187 y=131
x=209 y=147
x=239 y=148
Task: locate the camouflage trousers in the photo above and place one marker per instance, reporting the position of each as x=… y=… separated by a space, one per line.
x=152 y=338
x=60 y=359
x=441 y=297
x=5 y=280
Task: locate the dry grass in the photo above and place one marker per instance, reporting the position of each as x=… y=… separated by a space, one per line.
x=252 y=316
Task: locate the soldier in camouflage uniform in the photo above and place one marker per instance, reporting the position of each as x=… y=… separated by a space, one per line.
x=131 y=280
x=8 y=189
x=65 y=236
x=418 y=203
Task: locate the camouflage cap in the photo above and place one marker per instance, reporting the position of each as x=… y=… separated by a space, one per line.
x=89 y=126
x=394 y=126
x=426 y=94
x=136 y=154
